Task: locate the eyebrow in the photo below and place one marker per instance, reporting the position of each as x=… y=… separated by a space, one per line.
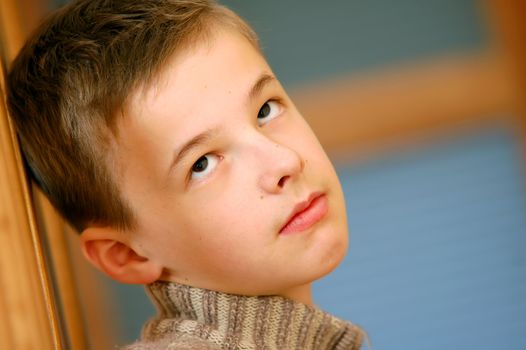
x=256 y=89
x=194 y=142
x=206 y=135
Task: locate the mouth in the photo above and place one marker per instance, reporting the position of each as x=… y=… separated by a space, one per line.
x=306 y=214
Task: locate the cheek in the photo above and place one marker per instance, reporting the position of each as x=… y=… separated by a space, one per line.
x=226 y=217
x=215 y=236
x=314 y=155
x=306 y=141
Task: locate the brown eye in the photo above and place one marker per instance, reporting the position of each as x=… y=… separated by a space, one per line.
x=264 y=111
x=267 y=112
x=204 y=166
x=200 y=165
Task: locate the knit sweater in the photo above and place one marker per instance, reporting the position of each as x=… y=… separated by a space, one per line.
x=192 y=318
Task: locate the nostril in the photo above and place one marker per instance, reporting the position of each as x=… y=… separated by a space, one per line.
x=282 y=181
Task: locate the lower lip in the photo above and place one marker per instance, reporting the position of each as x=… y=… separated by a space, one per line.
x=309 y=217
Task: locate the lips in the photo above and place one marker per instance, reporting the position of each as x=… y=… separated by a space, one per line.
x=306 y=214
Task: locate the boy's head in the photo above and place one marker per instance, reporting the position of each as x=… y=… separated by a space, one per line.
x=158 y=129
x=71 y=80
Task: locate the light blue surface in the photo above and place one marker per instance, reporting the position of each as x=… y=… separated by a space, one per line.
x=438 y=239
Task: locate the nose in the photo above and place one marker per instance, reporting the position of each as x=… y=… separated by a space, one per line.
x=281 y=165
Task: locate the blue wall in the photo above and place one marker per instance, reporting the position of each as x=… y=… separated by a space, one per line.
x=438 y=240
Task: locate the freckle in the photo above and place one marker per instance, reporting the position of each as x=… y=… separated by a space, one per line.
x=260 y=197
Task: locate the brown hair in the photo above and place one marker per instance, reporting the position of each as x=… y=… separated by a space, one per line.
x=72 y=77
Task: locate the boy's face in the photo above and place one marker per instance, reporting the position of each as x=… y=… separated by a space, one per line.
x=215 y=158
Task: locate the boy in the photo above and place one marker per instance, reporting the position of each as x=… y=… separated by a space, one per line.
x=158 y=130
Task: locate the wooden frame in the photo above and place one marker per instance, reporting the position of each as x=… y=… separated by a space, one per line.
x=33 y=254
x=360 y=115
x=28 y=317
x=506 y=19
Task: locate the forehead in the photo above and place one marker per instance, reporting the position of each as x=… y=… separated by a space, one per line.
x=224 y=65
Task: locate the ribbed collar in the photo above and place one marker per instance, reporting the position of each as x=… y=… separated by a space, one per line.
x=244 y=322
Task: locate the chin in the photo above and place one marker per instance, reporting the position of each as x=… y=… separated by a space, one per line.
x=337 y=256
x=331 y=258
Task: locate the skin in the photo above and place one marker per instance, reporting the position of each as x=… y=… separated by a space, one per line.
x=218 y=228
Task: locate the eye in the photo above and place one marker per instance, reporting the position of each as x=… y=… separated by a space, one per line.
x=204 y=166
x=270 y=110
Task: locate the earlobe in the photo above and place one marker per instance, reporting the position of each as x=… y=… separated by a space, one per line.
x=105 y=249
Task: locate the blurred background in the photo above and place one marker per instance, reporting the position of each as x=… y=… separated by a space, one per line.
x=421 y=104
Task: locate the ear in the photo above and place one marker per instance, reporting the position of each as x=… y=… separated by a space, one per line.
x=106 y=249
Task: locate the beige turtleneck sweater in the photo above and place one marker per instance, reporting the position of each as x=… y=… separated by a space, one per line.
x=191 y=318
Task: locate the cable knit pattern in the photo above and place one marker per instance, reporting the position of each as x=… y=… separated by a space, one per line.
x=192 y=318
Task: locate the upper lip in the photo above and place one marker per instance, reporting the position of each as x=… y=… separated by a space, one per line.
x=301 y=206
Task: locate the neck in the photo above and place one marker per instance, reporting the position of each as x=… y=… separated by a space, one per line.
x=301 y=294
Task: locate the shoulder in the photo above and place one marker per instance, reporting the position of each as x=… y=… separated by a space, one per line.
x=179 y=342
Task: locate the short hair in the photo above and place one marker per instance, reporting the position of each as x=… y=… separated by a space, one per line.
x=71 y=79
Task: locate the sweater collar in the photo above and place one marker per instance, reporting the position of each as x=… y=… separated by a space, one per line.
x=246 y=322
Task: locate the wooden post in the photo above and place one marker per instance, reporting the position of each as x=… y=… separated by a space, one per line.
x=28 y=317
x=507 y=19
